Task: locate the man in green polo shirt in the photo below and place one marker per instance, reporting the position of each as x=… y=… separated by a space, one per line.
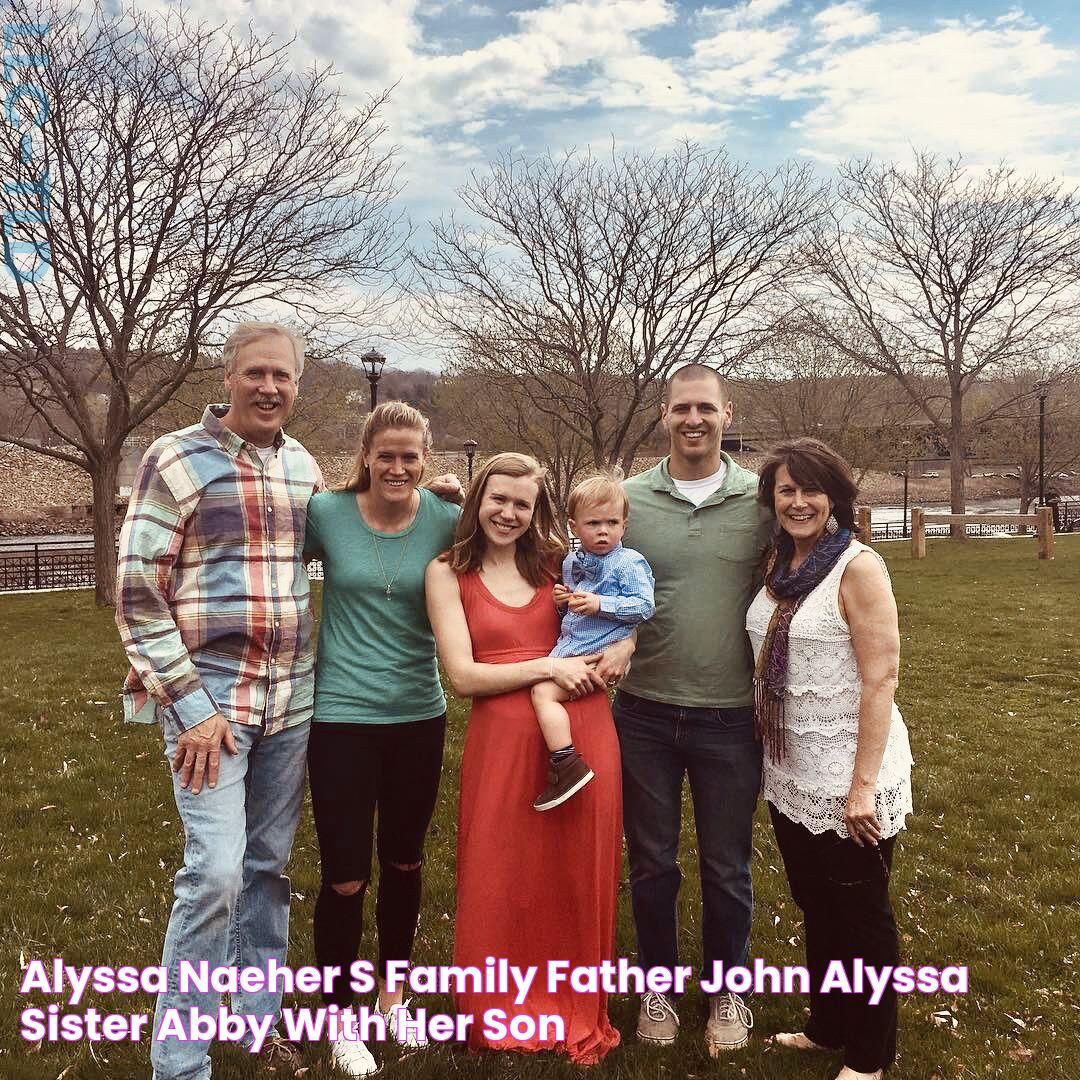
x=686 y=707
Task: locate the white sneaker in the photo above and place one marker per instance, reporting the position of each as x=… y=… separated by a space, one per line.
x=658 y=1022
x=730 y=1022
x=353 y=1058
x=396 y=1014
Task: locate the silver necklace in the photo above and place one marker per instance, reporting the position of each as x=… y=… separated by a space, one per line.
x=382 y=570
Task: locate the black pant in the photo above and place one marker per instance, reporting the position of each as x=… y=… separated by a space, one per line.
x=843 y=891
x=356 y=770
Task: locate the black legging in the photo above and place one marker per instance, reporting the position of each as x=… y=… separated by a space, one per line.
x=843 y=890
x=354 y=770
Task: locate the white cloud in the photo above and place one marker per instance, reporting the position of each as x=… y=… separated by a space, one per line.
x=574 y=72
x=528 y=68
x=629 y=130
x=737 y=62
x=966 y=87
x=747 y=13
x=846 y=20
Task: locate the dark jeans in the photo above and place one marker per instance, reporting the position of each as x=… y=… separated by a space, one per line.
x=717 y=750
x=843 y=890
x=356 y=770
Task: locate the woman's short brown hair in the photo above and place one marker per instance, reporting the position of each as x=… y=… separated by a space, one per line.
x=539 y=551
x=812 y=463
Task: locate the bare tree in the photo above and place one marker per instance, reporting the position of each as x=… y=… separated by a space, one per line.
x=1012 y=437
x=515 y=413
x=595 y=279
x=799 y=383
x=949 y=276
x=328 y=414
x=166 y=176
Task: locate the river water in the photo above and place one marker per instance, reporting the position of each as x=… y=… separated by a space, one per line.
x=886 y=515
x=882 y=515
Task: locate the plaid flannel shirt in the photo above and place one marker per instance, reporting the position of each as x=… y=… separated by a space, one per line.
x=213 y=601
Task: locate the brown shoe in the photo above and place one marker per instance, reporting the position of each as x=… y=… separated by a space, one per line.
x=658 y=1022
x=565 y=779
x=280 y=1056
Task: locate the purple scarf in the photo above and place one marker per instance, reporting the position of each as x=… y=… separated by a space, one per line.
x=788 y=589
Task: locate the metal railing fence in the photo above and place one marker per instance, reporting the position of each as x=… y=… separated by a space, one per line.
x=69 y=564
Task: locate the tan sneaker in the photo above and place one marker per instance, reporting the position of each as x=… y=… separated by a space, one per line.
x=658 y=1022
x=564 y=780
x=729 y=1024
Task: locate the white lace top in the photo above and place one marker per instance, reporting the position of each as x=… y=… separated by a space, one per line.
x=810 y=783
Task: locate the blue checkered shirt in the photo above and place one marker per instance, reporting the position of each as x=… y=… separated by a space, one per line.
x=623 y=580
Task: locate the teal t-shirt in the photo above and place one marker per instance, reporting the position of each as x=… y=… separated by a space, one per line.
x=376 y=659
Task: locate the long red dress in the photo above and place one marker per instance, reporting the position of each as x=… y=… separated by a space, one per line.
x=534 y=887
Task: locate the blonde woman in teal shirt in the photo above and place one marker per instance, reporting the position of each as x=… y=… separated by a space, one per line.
x=380 y=716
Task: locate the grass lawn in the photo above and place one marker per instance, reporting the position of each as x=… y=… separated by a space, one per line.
x=986 y=875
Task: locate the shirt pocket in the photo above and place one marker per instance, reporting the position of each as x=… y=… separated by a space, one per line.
x=739 y=544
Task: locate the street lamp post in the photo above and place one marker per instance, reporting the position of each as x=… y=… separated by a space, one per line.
x=1041 y=389
x=907 y=469
x=470 y=446
x=373 y=362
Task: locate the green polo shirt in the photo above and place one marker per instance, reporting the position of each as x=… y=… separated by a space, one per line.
x=706 y=559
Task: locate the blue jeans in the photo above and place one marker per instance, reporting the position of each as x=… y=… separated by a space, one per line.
x=718 y=751
x=232 y=895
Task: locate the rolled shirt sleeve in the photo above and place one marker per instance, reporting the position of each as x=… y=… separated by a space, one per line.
x=634 y=602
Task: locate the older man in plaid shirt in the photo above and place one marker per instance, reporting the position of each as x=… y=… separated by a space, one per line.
x=215 y=617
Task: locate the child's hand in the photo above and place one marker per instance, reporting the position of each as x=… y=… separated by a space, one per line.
x=584 y=603
x=561 y=594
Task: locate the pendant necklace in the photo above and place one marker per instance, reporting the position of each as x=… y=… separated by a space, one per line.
x=382 y=570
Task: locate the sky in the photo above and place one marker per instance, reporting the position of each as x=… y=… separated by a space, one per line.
x=808 y=80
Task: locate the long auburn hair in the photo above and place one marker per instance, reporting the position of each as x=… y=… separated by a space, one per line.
x=390 y=414
x=539 y=551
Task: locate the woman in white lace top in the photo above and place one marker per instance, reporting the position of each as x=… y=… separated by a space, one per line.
x=837 y=766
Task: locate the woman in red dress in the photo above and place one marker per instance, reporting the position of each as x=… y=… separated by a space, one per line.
x=531 y=887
